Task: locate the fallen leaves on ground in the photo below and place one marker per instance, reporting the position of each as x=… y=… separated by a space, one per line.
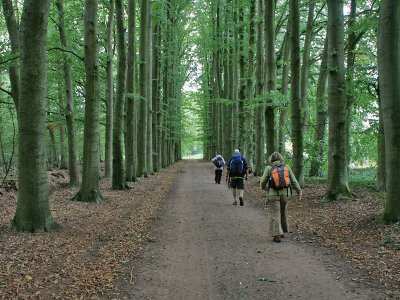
x=351 y=227
x=83 y=257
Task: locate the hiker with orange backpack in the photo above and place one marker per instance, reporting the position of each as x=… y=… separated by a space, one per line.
x=279 y=181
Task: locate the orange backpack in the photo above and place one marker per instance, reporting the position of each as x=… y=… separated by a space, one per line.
x=279 y=178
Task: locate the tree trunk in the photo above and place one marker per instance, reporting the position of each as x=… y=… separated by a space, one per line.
x=270 y=75
x=109 y=92
x=69 y=90
x=380 y=183
x=259 y=126
x=13 y=32
x=156 y=97
x=131 y=114
x=33 y=209
x=338 y=186
x=63 y=162
x=143 y=75
x=297 y=126
x=54 y=156
x=149 y=93
x=90 y=191
x=118 y=173
x=248 y=141
x=321 y=116
x=285 y=82
x=389 y=85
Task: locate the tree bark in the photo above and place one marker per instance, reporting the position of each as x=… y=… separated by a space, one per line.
x=156 y=97
x=380 y=183
x=149 y=93
x=54 y=155
x=118 y=173
x=143 y=104
x=338 y=186
x=33 y=209
x=131 y=114
x=90 y=190
x=389 y=84
x=321 y=116
x=63 y=161
x=69 y=90
x=285 y=82
x=270 y=76
x=297 y=126
x=109 y=93
x=260 y=110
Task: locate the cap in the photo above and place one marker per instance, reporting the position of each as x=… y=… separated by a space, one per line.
x=236 y=151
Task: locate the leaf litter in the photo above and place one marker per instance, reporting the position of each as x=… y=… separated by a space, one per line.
x=83 y=257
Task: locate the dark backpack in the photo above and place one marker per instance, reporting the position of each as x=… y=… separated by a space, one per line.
x=236 y=166
x=218 y=162
x=279 y=178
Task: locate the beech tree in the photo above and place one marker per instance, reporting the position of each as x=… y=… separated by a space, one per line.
x=389 y=83
x=33 y=210
x=338 y=186
x=90 y=190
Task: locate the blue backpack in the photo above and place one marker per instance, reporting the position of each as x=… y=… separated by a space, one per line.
x=237 y=165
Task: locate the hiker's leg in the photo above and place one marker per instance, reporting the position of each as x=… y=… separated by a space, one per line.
x=234 y=193
x=241 y=192
x=216 y=176
x=283 y=209
x=275 y=227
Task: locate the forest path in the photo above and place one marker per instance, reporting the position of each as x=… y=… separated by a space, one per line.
x=203 y=247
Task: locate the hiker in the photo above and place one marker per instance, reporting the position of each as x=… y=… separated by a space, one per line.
x=219 y=164
x=279 y=180
x=236 y=173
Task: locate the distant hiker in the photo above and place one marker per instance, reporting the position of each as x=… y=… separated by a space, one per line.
x=219 y=164
x=279 y=181
x=237 y=172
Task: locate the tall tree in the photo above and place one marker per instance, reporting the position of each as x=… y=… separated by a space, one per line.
x=118 y=174
x=283 y=112
x=109 y=91
x=338 y=186
x=131 y=114
x=69 y=91
x=259 y=120
x=143 y=75
x=297 y=127
x=248 y=153
x=149 y=88
x=389 y=84
x=270 y=66
x=33 y=209
x=321 y=115
x=90 y=190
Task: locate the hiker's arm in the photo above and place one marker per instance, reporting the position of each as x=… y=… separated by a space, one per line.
x=295 y=184
x=264 y=178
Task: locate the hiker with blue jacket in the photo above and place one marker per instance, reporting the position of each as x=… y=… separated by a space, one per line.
x=279 y=180
x=219 y=164
x=237 y=173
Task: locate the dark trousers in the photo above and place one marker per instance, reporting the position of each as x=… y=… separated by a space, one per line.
x=218 y=174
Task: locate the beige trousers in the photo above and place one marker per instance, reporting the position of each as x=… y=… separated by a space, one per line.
x=278 y=223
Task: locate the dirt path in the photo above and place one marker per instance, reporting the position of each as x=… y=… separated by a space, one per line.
x=203 y=247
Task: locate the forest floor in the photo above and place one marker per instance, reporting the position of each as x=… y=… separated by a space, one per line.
x=177 y=235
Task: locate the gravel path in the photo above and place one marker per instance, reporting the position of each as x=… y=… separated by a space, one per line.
x=203 y=247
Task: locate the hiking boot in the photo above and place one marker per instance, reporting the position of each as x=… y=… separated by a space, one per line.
x=234 y=202
x=241 y=201
x=277 y=239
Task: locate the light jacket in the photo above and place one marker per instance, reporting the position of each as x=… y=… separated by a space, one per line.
x=294 y=184
x=223 y=162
